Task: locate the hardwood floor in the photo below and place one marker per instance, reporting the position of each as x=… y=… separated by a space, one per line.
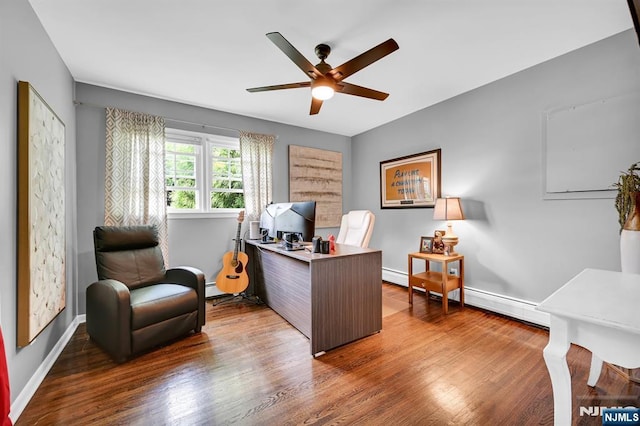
x=249 y=366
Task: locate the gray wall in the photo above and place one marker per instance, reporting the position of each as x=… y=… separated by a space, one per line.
x=27 y=54
x=196 y=242
x=515 y=243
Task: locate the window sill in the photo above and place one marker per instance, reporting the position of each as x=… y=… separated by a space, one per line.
x=231 y=213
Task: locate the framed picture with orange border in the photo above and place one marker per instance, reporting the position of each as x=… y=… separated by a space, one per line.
x=410 y=181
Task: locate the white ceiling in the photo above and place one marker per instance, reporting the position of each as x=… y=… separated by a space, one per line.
x=207 y=52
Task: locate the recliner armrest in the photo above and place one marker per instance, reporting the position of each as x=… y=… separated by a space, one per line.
x=190 y=277
x=186 y=275
x=109 y=321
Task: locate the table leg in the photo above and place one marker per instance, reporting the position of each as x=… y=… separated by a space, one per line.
x=461 y=263
x=427 y=293
x=594 y=372
x=410 y=270
x=555 y=356
x=443 y=285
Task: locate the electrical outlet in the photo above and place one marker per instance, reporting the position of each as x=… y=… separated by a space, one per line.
x=453 y=271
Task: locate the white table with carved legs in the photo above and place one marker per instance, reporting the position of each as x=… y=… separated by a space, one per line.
x=598 y=310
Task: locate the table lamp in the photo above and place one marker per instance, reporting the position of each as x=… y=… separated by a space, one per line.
x=448 y=209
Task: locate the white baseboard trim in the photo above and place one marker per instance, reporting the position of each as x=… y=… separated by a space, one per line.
x=21 y=401
x=210 y=290
x=509 y=306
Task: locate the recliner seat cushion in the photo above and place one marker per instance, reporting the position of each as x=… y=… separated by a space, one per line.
x=160 y=302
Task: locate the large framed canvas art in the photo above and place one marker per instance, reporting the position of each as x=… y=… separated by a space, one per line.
x=41 y=214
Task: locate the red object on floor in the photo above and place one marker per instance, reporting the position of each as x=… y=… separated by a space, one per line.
x=5 y=398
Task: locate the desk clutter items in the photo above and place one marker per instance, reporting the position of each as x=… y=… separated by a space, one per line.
x=254 y=230
x=318 y=245
x=265 y=238
x=292 y=241
x=332 y=244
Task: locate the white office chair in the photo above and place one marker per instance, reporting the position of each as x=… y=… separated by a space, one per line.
x=356 y=228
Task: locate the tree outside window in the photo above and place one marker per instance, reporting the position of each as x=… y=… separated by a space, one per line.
x=226 y=178
x=189 y=187
x=180 y=175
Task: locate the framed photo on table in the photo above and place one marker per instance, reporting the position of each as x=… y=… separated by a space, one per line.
x=426 y=244
x=438 y=245
x=411 y=181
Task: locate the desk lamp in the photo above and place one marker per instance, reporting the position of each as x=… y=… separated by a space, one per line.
x=448 y=209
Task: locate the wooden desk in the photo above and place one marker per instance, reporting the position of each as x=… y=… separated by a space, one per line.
x=332 y=299
x=442 y=282
x=597 y=310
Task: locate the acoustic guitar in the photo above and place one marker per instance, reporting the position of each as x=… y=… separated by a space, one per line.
x=233 y=277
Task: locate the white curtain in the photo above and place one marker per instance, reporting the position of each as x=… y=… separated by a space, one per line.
x=134 y=181
x=256 y=153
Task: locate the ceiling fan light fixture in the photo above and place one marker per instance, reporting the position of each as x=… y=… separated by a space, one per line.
x=322 y=90
x=326 y=80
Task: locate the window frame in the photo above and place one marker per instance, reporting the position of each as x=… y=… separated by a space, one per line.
x=206 y=142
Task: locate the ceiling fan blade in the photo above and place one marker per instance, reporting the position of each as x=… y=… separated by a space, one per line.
x=280 y=87
x=352 y=89
x=367 y=58
x=287 y=48
x=315 y=106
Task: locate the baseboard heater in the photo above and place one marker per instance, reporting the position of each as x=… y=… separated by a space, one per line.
x=210 y=290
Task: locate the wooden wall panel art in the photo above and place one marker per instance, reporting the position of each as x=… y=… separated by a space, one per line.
x=316 y=175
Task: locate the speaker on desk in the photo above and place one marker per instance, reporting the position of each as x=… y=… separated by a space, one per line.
x=254 y=230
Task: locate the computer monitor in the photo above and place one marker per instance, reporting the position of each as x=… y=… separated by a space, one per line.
x=297 y=217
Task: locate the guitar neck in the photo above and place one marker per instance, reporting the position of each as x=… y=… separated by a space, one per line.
x=237 y=247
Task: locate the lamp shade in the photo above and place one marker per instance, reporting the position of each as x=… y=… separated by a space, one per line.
x=448 y=209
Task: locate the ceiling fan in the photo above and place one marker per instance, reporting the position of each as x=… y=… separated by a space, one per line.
x=325 y=80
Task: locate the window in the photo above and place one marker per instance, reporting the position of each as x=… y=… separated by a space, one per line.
x=202 y=172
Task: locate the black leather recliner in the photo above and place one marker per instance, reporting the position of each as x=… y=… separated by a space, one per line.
x=136 y=303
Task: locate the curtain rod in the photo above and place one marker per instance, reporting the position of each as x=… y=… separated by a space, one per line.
x=90 y=105
x=202 y=125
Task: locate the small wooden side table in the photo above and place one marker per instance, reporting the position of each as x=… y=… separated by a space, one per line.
x=441 y=282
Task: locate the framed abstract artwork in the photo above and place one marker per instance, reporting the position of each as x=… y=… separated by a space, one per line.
x=411 y=181
x=41 y=215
